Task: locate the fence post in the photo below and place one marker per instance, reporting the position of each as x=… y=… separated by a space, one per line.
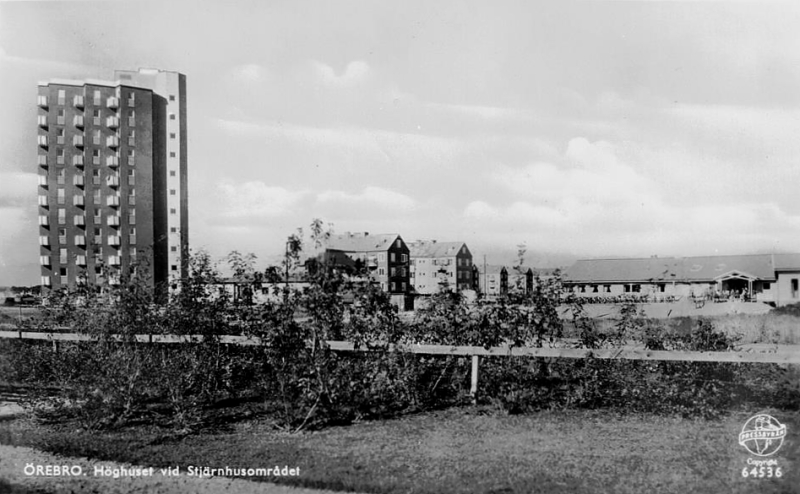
x=473 y=391
x=55 y=346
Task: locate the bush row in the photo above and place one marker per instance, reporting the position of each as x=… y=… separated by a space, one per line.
x=298 y=382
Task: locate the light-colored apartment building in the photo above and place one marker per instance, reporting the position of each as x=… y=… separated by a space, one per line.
x=439 y=265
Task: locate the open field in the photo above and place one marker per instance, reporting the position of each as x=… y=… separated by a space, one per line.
x=459 y=451
x=751 y=322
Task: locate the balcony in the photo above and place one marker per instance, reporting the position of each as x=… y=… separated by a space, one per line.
x=78 y=101
x=112 y=141
x=80 y=260
x=97 y=220
x=112 y=201
x=113 y=279
x=131 y=122
x=80 y=240
x=42 y=180
x=132 y=239
x=42 y=160
x=43 y=201
x=79 y=220
x=77 y=141
x=44 y=241
x=44 y=221
x=78 y=201
x=41 y=101
x=45 y=281
x=77 y=120
x=112 y=122
x=112 y=181
x=112 y=161
x=113 y=240
x=113 y=220
x=112 y=102
x=78 y=180
x=77 y=160
x=114 y=260
x=42 y=140
x=42 y=121
x=131 y=200
x=44 y=260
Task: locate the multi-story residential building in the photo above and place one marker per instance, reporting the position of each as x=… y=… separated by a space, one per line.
x=520 y=279
x=438 y=265
x=493 y=280
x=384 y=257
x=112 y=178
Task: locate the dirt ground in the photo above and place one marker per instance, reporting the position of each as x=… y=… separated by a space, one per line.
x=682 y=308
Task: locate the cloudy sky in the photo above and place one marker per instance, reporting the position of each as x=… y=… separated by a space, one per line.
x=581 y=128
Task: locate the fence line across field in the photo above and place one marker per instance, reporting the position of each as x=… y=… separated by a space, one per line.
x=753 y=353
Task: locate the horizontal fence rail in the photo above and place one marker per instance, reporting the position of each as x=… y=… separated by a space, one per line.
x=752 y=353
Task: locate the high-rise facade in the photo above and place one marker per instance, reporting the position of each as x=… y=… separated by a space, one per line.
x=112 y=178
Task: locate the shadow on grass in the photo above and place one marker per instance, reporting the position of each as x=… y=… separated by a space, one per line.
x=7 y=488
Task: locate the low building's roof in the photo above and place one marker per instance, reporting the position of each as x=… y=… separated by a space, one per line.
x=490 y=269
x=685 y=269
x=787 y=262
x=361 y=242
x=708 y=268
x=434 y=249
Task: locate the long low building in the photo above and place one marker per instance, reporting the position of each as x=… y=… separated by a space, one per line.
x=763 y=277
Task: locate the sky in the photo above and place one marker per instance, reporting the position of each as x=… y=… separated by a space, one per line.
x=577 y=128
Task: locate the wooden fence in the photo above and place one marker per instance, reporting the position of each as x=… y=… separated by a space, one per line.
x=752 y=353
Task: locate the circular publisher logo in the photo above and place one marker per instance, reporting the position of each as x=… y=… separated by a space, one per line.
x=762 y=435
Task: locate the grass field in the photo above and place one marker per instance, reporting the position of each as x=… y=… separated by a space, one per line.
x=459 y=451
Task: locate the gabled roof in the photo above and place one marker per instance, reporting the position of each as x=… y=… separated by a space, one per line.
x=620 y=270
x=787 y=262
x=435 y=249
x=666 y=269
x=361 y=242
x=490 y=269
x=708 y=268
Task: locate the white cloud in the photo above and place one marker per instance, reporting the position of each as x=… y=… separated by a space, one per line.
x=484 y=112
x=378 y=146
x=256 y=199
x=369 y=197
x=593 y=176
x=354 y=73
x=594 y=203
x=249 y=73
